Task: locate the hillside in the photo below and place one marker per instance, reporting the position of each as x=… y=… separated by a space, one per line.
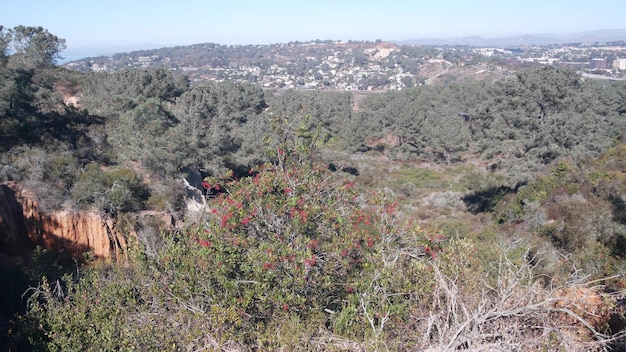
x=308 y=65
x=379 y=66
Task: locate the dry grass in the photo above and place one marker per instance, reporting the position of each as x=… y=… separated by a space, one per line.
x=517 y=314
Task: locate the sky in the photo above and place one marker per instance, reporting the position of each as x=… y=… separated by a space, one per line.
x=122 y=25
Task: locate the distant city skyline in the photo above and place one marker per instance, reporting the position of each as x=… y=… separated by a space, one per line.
x=92 y=28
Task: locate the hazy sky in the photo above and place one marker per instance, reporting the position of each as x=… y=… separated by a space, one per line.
x=135 y=23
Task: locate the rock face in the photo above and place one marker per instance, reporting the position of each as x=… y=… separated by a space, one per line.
x=23 y=226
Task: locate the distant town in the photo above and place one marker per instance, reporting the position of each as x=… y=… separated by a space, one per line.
x=366 y=66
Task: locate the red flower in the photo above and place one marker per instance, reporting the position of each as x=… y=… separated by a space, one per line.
x=310 y=261
x=206 y=185
x=285 y=307
x=225 y=219
x=304 y=216
x=245 y=221
x=431 y=252
x=205 y=243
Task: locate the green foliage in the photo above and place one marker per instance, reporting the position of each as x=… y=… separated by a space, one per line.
x=108 y=95
x=144 y=134
x=575 y=207
x=5 y=40
x=31 y=109
x=17 y=92
x=518 y=124
x=550 y=88
x=422 y=178
x=58 y=303
x=48 y=174
x=331 y=111
x=17 y=331
x=118 y=190
x=33 y=47
x=288 y=238
x=535 y=192
x=220 y=126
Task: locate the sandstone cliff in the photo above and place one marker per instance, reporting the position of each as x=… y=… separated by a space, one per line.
x=23 y=226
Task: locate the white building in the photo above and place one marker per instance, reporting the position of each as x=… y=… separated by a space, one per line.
x=619 y=64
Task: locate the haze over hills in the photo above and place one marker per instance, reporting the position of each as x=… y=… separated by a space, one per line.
x=589 y=37
x=105 y=49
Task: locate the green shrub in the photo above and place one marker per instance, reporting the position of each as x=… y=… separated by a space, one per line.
x=117 y=190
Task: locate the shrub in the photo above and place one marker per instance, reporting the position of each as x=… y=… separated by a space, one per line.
x=118 y=190
x=293 y=239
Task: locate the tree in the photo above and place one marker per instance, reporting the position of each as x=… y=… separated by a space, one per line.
x=108 y=94
x=552 y=89
x=214 y=120
x=16 y=91
x=448 y=137
x=144 y=135
x=5 y=40
x=34 y=47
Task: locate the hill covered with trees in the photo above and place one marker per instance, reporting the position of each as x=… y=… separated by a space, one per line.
x=303 y=65
x=467 y=215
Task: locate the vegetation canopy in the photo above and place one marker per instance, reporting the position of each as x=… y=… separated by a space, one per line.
x=467 y=215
